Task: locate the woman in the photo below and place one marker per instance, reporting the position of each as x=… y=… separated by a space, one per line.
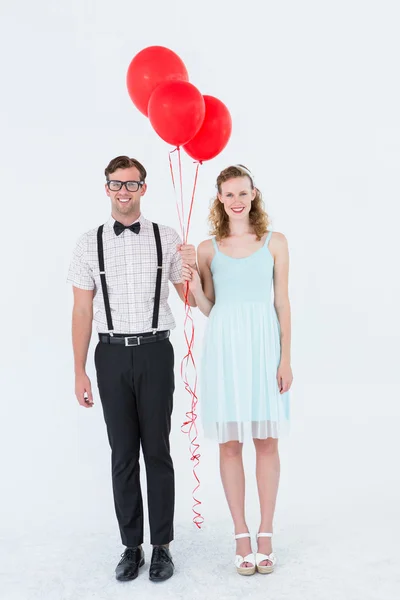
x=246 y=370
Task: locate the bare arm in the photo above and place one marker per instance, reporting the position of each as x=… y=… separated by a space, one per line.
x=279 y=249
x=181 y=289
x=187 y=254
x=200 y=282
x=82 y=317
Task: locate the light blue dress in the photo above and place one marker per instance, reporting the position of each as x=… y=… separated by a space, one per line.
x=239 y=396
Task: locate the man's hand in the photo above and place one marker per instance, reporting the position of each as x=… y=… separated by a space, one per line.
x=83 y=390
x=188 y=254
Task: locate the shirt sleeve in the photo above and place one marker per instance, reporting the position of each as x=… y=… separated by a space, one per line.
x=175 y=272
x=80 y=274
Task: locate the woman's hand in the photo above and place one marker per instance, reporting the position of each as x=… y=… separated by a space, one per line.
x=284 y=377
x=191 y=275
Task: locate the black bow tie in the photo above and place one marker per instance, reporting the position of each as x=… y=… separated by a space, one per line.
x=119 y=228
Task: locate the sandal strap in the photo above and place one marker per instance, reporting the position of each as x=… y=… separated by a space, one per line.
x=261 y=557
x=239 y=536
x=245 y=559
x=268 y=535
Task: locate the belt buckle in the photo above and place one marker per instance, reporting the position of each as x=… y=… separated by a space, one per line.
x=134 y=337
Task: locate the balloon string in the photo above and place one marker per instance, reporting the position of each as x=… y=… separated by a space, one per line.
x=182 y=203
x=171 y=168
x=189 y=427
x=192 y=200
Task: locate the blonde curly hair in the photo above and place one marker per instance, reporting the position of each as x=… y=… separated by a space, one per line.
x=219 y=220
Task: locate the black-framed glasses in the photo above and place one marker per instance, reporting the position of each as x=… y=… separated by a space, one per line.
x=131 y=186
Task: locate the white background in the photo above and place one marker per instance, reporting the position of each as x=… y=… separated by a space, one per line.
x=313 y=89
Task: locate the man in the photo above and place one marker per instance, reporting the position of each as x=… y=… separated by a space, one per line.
x=122 y=269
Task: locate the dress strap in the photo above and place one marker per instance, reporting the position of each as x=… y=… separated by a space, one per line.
x=214 y=241
x=268 y=238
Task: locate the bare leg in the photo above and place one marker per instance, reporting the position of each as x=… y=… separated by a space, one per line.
x=232 y=475
x=267 y=472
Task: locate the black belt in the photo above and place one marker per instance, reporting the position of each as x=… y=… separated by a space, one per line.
x=133 y=340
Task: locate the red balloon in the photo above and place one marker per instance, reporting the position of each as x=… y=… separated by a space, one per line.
x=176 y=111
x=150 y=67
x=214 y=133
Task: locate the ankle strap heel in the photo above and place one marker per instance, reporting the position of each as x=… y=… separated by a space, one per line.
x=264 y=569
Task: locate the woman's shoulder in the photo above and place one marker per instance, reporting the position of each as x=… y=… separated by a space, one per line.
x=278 y=238
x=206 y=246
x=206 y=251
x=278 y=245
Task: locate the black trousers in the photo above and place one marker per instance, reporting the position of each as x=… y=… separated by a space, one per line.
x=136 y=386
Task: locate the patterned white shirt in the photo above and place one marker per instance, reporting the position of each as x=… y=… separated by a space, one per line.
x=130 y=262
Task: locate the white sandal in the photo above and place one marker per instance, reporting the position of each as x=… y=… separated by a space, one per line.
x=262 y=557
x=239 y=560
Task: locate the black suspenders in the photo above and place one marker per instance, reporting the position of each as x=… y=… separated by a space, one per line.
x=100 y=252
x=157 y=295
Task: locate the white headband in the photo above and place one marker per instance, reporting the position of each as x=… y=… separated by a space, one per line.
x=249 y=173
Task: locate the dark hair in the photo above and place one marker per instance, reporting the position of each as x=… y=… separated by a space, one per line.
x=124 y=162
x=219 y=220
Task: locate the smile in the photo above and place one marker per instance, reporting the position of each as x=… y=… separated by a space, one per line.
x=237 y=209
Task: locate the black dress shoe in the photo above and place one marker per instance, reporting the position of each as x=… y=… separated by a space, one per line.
x=128 y=567
x=161 y=566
